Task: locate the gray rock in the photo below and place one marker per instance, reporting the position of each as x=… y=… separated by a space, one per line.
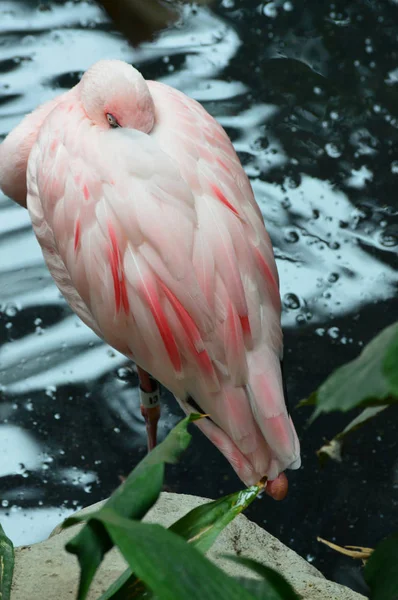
x=46 y=571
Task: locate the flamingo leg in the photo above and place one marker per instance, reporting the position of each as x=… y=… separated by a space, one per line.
x=150 y=405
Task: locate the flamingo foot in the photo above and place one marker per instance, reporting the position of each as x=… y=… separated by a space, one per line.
x=150 y=406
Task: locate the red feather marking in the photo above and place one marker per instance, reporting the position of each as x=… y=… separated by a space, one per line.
x=269 y=277
x=77 y=234
x=119 y=279
x=223 y=199
x=244 y=321
x=186 y=320
x=112 y=235
x=115 y=276
x=222 y=164
x=205 y=363
x=54 y=145
x=125 y=298
x=190 y=329
x=235 y=347
x=86 y=193
x=162 y=324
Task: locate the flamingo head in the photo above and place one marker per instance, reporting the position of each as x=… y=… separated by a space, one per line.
x=114 y=94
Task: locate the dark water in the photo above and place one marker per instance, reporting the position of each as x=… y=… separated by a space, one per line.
x=308 y=92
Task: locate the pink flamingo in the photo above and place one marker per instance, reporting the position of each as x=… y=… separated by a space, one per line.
x=150 y=229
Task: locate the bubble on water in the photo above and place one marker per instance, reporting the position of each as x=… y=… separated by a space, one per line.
x=334 y=115
x=261 y=143
x=270 y=10
x=333 y=332
x=4 y=503
x=301 y=319
x=394 y=167
x=334 y=245
x=291 y=236
x=8 y=325
x=320 y=331
x=286 y=203
x=388 y=239
x=123 y=373
x=332 y=150
x=359 y=177
x=288 y=6
x=10 y=310
x=57 y=416
x=293 y=182
x=28 y=40
x=291 y=301
x=310 y=558
x=50 y=391
x=392 y=78
x=29 y=405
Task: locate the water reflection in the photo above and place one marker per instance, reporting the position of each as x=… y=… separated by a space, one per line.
x=307 y=93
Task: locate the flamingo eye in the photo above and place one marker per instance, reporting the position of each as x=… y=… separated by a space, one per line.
x=112 y=121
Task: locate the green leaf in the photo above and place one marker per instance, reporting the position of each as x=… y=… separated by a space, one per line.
x=132 y=499
x=272 y=585
x=390 y=365
x=381 y=570
x=126 y=586
x=6 y=565
x=201 y=527
x=369 y=380
x=333 y=449
x=171 y=568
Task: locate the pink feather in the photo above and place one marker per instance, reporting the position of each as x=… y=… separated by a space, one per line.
x=152 y=233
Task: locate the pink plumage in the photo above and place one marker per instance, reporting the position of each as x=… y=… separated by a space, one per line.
x=150 y=229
